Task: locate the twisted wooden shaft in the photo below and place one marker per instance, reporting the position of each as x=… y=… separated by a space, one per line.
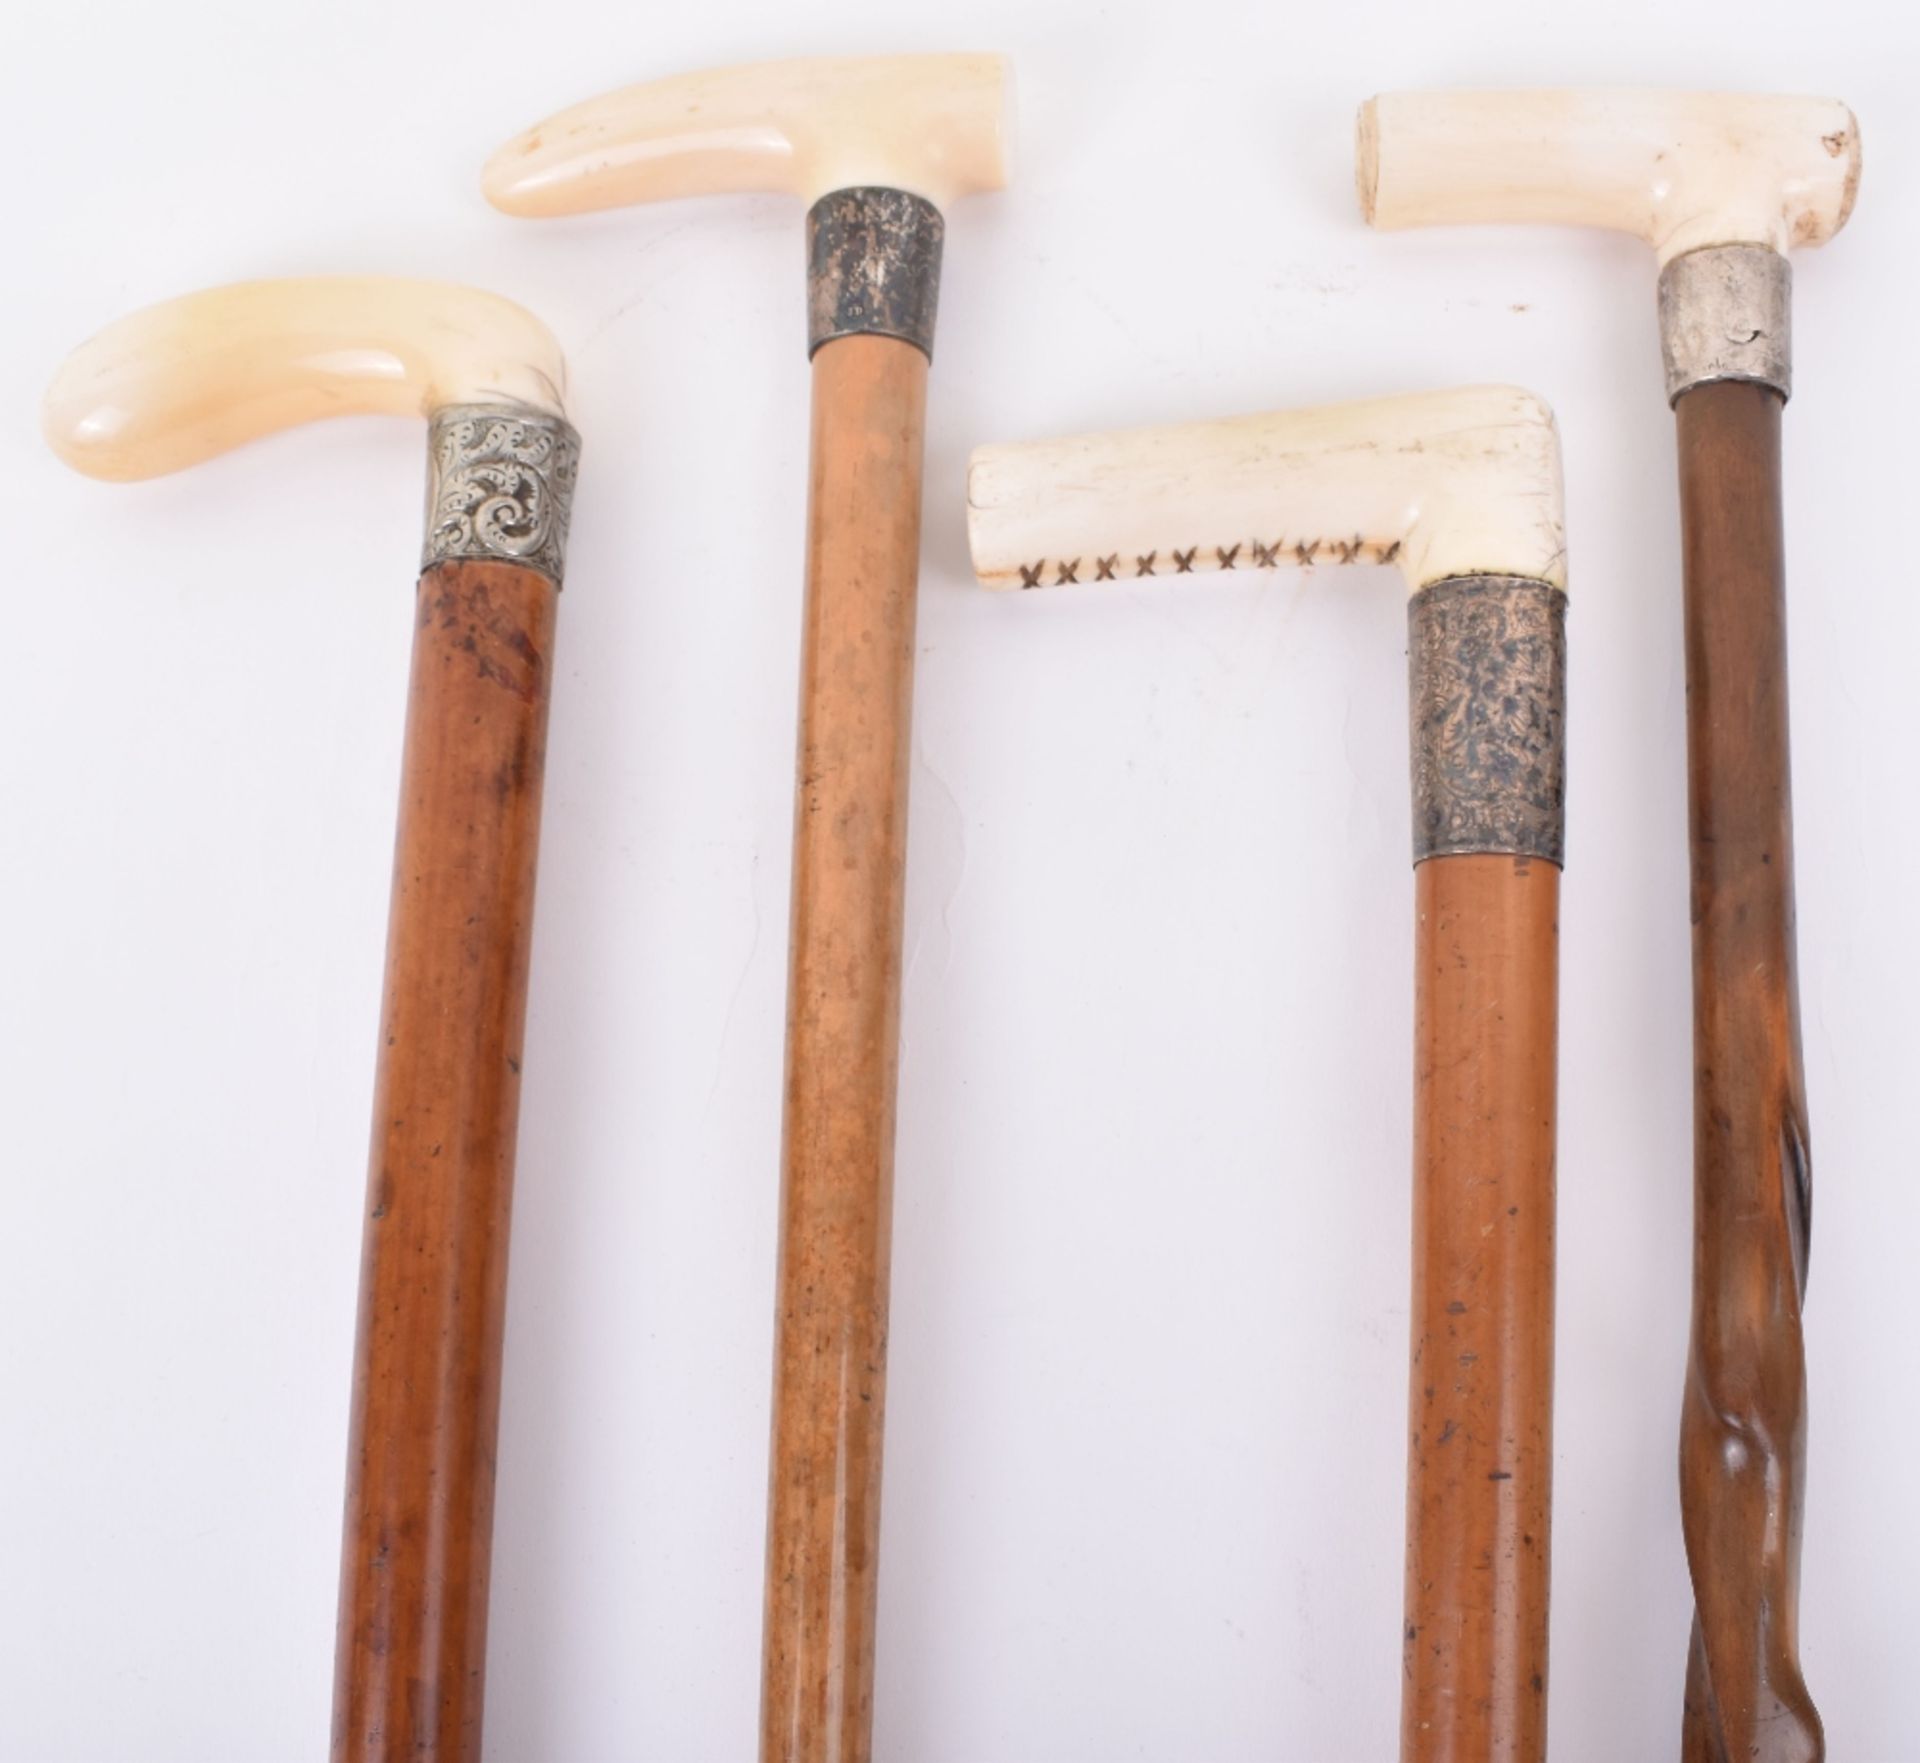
x=849 y=871
x=1480 y=1462
x=426 y=1394
x=1742 y=1436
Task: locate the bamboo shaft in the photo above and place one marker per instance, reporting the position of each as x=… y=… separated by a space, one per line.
x=1480 y=1462
x=1743 y=1426
x=426 y=1395
x=849 y=869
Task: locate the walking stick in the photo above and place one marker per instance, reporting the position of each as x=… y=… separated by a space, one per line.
x=174 y=385
x=1461 y=489
x=877 y=147
x=1721 y=186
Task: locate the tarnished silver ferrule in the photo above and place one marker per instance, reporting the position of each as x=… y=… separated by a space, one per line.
x=873 y=266
x=1726 y=313
x=500 y=486
x=1487 y=665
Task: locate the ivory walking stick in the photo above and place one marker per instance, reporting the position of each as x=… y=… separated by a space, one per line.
x=877 y=147
x=1721 y=186
x=174 y=385
x=1462 y=490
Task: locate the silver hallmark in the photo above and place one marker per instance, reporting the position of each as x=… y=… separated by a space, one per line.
x=1487 y=662
x=500 y=486
x=1726 y=313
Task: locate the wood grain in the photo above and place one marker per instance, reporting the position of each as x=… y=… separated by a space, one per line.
x=426 y=1396
x=849 y=870
x=1743 y=1426
x=1480 y=1461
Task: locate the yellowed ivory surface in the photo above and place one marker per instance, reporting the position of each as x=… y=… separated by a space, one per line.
x=1437 y=483
x=176 y=383
x=939 y=126
x=1679 y=169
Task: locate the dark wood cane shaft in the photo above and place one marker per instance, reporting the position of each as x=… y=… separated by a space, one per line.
x=426 y=1395
x=1480 y=1464
x=849 y=869
x=1742 y=1438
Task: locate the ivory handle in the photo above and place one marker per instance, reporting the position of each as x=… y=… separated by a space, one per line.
x=938 y=126
x=1438 y=483
x=177 y=383
x=1679 y=169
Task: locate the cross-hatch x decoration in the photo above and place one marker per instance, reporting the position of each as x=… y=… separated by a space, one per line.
x=1265 y=556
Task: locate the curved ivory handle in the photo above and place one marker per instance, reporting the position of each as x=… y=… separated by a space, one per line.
x=1680 y=169
x=1439 y=483
x=939 y=126
x=176 y=383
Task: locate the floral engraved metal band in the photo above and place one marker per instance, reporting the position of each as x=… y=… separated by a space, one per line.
x=1726 y=313
x=500 y=486
x=1488 y=666
x=873 y=266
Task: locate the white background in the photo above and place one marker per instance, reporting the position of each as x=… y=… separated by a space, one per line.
x=1146 y=1430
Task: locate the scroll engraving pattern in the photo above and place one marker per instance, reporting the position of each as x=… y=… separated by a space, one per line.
x=500 y=486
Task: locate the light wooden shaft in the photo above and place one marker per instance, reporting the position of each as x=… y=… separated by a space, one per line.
x=412 y=1641
x=1480 y=1461
x=1743 y=1427
x=849 y=872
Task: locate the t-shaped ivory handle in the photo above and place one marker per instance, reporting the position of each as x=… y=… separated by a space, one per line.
x=1720 y=184
x=877 y=146
x=1680 y=169
x=936 y=126
x=177 y=383
x=1440 y=484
